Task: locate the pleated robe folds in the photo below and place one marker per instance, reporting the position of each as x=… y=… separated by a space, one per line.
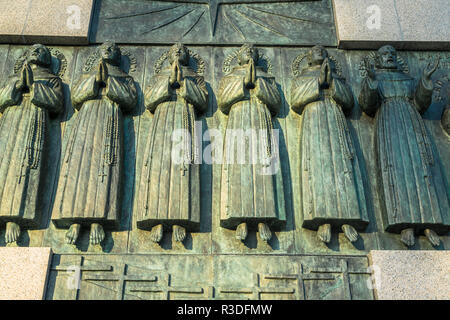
x=412 y=181
x=23 y=145
x=169 y=189
x=332 y=186
x=90 y=176
x=251 y=188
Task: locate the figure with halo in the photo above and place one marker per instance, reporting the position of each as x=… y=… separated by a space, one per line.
x=252 y=186
x=414 y=195
x=26 y=102
x=332 y=186
x=88 y=192
x=169 y=189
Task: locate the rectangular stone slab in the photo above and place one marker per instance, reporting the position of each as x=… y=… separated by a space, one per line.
x=23 y=272
x=406 y=24
x=48 y=22
x=410 y=275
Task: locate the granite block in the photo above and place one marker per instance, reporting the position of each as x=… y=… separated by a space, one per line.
x=63 y=22
x=410 y=275
x=368 y=24
x=23 y=272
x=13 y=15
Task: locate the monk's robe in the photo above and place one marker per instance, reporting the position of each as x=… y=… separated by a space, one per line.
x=169 y=189
x=252 y=185
x=23 y=145
x=90 y=176
x=332 y=185
x=412 y=181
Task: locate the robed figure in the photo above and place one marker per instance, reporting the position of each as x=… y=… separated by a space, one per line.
x=90 y=176
x=332 y=186
x=26 y=101
x=251 y=186
x=413 y=189
x=169 y=190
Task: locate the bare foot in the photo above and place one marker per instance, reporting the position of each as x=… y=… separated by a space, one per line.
x=324 y=233
x=157 y=233
x=72 y=233
x=241 y=231
x=97 y=234
x=350 y=232
x=264 y=231
x=407 y=237
x=432 y=237
x=12 y=232
x=179 y=233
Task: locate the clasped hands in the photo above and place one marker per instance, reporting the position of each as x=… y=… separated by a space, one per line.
x=176 y=76
x=250 y=76
x=326 y=75
x=102 y=74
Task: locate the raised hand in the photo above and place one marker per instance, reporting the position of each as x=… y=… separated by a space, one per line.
x=429 y=70
x=369 y=68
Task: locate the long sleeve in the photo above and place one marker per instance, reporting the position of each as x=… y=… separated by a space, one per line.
x=423 y=95
x=48 y=95
x=342 y=94
x=9 y=95
x=304 y=91
x=231 y=91
x=368 y=97
x=86 y=89
x=158 y=92
x=195 y=94
x=267 y=92
x=123 y=92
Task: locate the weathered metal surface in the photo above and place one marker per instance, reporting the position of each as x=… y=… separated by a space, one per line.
x=215 y=22
x=172 y=277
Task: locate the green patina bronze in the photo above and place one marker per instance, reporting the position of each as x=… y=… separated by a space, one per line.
x=359 y=162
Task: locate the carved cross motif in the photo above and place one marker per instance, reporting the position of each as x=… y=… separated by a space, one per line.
x=72 y=268
x=165 y=288
x=257 y=290
x=345 y=272
x=121 y=278
x=300 y=277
